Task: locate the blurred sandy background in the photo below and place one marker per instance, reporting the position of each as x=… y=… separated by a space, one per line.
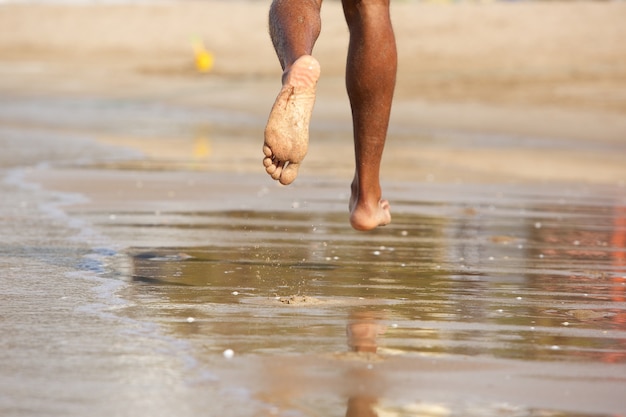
x=550 y=70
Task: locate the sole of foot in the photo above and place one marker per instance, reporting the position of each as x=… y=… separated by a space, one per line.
x=287 y=130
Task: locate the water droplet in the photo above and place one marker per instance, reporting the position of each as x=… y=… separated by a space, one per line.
x=190 y=319
x=228 y=353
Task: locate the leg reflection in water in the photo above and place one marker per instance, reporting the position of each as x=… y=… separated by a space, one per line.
x=362 y=406
x=363 y=331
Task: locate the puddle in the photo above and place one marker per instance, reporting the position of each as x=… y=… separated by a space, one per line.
x=520 y=293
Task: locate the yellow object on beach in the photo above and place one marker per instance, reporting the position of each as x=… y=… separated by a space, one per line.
x=204 y=58
x=202 y=147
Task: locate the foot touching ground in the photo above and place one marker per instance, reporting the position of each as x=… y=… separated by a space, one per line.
x=368 y=214
x=287 y=130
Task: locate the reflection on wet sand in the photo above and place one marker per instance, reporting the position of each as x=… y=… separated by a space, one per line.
x=363 y=331
x=527 y=281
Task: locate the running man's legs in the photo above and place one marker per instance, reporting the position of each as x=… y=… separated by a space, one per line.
x=370 y=81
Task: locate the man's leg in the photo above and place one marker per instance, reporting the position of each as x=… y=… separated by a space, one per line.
x=370 y=81
x=294 y=28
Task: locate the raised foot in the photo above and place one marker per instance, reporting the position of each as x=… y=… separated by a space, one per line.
x=287 y=129
x=365 y=216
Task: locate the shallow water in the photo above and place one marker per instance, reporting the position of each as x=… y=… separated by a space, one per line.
x=130 y=288
x=510 y=300
x=548 y=285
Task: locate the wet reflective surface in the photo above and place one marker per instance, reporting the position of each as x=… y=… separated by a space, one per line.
x=546 y=286
x=162 y=286
x=475 y=287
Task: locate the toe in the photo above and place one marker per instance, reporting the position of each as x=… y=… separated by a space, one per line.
x=289 y=174
x=278 y=169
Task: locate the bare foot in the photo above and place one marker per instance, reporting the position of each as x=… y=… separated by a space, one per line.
x=287 y=130
x=368 y=215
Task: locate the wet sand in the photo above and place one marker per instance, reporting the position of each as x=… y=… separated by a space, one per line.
x=149 y=266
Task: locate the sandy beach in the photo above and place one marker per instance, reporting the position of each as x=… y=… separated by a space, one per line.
x=150 y=268
x=550 y=71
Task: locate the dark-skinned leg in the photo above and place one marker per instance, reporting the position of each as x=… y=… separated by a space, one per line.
x=294 y=28
x=370 y=81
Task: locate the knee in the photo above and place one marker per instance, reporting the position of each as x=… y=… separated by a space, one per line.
x=355 y=10
x=364 y=4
